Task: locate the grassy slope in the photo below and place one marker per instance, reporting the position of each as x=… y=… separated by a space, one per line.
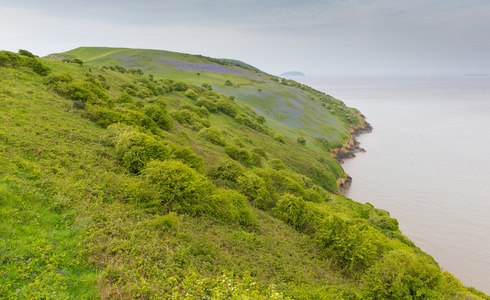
x=286 y=108
x=73 y=226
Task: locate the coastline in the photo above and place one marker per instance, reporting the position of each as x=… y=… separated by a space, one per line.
x=348 y=151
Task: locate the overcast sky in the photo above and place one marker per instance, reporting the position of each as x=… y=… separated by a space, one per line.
x=337 y=37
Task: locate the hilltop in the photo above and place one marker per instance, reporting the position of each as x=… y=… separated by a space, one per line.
x=147 y=174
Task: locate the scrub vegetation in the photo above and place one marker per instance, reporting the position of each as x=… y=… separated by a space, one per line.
x=130 y=182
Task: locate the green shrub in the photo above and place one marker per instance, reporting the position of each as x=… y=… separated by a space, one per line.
x=280 y=181
x=292 y=210
x=228 y=83
x=185 y=116
x=207 y=86
x=383 y=222
x=249 y=122
x=78 y=61
x=277 y=164
x=260 y=119
x=352 y=247
x=226 y=170
x=402 y=275
x=279 y=137
x=179 y=187
x=323 y=178
x=114 y=130
x=135 y=149
x=55 y=78
x=301 y=140
x=230 y=207
x=259 y=151
x=26 y=53
x=209 y=103
x=179 y=86
x=239 y=154
x=212 y=135
x=187 y=156
x=316 y=194
x=133 y=115
x=159 y=116
x=125 y=98
x=104 y=116
x=191 y=94
x=227 y=107
x=256 y=191
x=256 y=160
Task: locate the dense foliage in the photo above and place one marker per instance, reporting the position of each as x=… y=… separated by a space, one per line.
x=114 y=184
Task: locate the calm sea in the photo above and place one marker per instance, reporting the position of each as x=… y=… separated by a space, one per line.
x=427 y=162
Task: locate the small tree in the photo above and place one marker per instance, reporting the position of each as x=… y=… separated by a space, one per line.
x=78 y=61
x=26 y=53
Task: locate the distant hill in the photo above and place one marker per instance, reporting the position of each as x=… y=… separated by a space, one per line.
x=147 y=174
x=293 y=73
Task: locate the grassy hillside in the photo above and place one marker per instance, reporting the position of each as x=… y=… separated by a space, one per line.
x=119 y=183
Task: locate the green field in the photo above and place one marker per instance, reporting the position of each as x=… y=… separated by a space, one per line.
x=124 y=180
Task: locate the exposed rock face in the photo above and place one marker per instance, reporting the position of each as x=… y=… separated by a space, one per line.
x=345 y=184
x=353 y=146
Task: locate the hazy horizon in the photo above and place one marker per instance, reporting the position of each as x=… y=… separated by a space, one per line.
x=316 y=37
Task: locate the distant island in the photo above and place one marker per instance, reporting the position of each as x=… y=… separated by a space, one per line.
x=293 y=73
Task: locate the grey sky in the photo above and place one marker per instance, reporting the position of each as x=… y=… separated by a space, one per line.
x=329 y=37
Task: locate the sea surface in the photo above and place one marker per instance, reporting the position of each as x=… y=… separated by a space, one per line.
x=427 y=162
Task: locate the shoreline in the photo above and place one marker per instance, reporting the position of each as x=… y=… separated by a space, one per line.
x=348 y=152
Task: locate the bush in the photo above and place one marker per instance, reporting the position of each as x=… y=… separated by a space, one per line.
x=301 y=140
x=292 y=210
x=228 y=83
x=212 y=135
x=78 y=61
x=260 y=119
x=240 y=154
x=208 y=103
x=135 y=149
x=125 y=98
x=159 y=115
x=280 y=182
x=26 y=53
x=191 y=94
x=323 y=178
x=352 y=247
x=256 y=160
x=227 y=170
x=186 y=116
x=179 y=187
x=10 y=59
x=384 y=223
x=256 y=191
x=279 y=137
x=179 y=86
x=231 y=207
x=187 y=156
x=105 y=116
x=259 y=151
x=277 y=164
x=316 y=194
x=402 y=275
x=227 y=107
